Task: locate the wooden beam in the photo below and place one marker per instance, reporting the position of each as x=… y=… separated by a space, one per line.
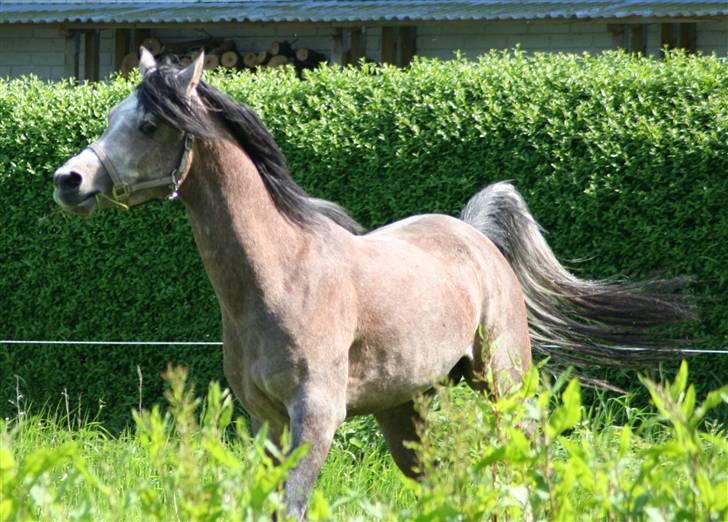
x=122 y=44
x=92 y=55
x=389 y=45
x=357 y=45
x=407 y=45
x=399 y=45
x=637 y=40
x=688 y=38
x=72 y=47
x=618 y=32
x=338 y=55
x=668 y=36
x=136 y=37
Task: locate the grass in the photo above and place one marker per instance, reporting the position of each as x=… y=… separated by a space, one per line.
x=196 y=462
x=349 y=479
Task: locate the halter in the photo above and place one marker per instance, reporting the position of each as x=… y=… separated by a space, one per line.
x=122 y=190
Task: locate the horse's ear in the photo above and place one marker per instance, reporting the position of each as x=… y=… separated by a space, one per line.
x=146 y=61
x=191 y=75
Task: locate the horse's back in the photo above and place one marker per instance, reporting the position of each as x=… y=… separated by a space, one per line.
x=439 y=237
x=426 y=229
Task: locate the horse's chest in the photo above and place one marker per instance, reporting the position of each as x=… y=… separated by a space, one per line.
x=263 y=373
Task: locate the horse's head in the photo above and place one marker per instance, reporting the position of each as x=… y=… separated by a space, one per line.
x=139 y=156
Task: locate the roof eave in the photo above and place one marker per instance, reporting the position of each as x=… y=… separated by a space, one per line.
x=360 y=22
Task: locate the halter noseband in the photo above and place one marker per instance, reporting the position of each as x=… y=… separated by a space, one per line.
x=122 y=190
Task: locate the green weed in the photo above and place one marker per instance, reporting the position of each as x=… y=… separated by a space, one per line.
x=197 y=463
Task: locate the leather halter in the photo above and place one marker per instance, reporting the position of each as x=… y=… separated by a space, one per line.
x=122 y=190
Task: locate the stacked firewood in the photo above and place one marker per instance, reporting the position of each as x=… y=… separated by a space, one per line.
x=225 y=54
x=283 y=53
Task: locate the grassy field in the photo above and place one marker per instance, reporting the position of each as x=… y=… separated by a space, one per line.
x=611 y=461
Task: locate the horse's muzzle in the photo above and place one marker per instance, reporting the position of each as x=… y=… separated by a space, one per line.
x=67 y=181
x=67 y=193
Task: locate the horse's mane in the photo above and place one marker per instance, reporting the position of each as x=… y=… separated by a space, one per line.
x=161 y=95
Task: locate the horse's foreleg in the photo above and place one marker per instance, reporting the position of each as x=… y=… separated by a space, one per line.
x=399 y=426
x=314 y=419
x=275 y=431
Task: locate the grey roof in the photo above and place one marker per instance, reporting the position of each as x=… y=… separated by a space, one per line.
x=333 y=11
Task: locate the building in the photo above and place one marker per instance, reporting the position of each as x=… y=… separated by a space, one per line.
x=89 y=39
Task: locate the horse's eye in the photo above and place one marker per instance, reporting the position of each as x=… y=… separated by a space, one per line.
x=147 y=128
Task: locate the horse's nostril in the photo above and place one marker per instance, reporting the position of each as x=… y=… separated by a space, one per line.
x=68 y=180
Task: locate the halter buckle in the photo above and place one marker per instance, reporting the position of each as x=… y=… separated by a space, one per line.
x=121 y=192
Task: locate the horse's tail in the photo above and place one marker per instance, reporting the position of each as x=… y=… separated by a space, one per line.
x=576 y=321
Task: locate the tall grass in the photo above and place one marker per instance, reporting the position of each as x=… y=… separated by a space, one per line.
x=196 y=462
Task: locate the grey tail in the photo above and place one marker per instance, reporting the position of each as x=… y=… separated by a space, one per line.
x=574 y=321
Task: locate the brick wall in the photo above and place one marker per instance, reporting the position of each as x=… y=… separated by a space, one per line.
x=37 y=51
x=713 y=37
x=474 y=39
x=41 y=51
x=441 y=41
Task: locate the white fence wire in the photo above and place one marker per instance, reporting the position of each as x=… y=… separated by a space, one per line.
x=691 y=351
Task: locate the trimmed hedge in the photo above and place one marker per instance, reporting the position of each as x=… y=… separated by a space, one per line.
x=622 y=159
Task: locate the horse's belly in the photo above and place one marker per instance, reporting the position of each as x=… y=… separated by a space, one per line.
x=381 y=378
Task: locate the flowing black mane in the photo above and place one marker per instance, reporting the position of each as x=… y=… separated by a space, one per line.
x=161 y=95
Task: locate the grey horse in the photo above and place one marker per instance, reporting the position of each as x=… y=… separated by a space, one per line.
x=321 y=321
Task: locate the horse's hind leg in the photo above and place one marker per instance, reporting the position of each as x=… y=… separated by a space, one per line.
x=501 y=362
x=502 y=357
x=399 y=425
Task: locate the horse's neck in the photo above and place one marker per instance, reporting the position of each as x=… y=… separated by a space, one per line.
x=247 y=246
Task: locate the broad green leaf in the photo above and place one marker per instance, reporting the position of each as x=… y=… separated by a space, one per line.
x=568 y=414
x=688 y=404
x=681 y=380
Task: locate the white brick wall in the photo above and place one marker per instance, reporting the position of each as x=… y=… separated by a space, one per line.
x=474 y=39
x=41 y=51
x=28 y=50
x=713 y=37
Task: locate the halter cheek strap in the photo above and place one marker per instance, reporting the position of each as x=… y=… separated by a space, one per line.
x=122 y=190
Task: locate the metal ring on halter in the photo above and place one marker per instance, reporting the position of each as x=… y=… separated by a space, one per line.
x=183 y=167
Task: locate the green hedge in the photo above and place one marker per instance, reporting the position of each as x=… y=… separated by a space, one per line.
x=623 y=160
